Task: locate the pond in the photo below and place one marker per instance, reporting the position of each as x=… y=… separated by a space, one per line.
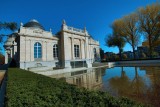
x=138 y=83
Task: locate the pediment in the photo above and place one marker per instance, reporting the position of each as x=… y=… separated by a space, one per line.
x=38 y=31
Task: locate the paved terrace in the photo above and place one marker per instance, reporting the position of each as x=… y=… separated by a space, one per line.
x=60 y=71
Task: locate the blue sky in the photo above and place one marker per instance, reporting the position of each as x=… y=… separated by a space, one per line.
x=96 y=15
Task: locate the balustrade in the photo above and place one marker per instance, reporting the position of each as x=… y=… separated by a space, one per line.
x=74 y=29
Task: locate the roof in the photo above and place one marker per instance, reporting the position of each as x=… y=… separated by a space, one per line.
x=34 y=24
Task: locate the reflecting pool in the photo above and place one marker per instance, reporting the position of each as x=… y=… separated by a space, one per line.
x=138 y=83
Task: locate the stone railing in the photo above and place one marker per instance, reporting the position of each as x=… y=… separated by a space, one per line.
x=97 y=42
x=94 y=42
x=75 y=29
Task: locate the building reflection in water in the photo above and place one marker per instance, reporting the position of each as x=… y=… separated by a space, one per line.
x=90 y=78
x=138 y=83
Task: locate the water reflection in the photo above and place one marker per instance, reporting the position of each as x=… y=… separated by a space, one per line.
x=153 y=92
x=90 y=79
x=139 y=83
x=124 y=86
x=120 y=85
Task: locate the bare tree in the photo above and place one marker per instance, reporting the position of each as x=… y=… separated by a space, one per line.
x=127 y=28
x=149 y=24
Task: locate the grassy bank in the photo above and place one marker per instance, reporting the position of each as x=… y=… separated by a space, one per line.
x=26 y=89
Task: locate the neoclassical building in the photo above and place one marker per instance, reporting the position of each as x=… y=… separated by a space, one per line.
x=32 y=46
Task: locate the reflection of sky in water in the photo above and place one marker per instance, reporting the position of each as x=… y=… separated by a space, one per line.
x=143 y=87
x=129 y=72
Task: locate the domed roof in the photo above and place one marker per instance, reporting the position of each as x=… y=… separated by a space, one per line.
x=34 y=24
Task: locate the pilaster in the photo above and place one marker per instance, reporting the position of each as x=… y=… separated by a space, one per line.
x=72 y=45
x=6 y=57
x=81 y=49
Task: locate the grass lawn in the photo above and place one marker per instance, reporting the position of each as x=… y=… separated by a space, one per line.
x=27 y=89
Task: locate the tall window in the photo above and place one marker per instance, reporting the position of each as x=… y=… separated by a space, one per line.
x=95 y=53
x=55 y=51
x=76 y=51
x=37 y=50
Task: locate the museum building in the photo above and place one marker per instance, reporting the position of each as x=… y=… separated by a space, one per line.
x=32 y=46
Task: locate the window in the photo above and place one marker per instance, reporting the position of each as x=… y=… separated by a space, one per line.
x=95 y=53
x=76 y=51
x=37 y=50
x=55 y=51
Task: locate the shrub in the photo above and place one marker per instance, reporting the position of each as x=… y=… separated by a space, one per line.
x=27 y=89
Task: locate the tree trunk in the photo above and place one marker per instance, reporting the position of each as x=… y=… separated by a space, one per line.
x=136 y=73
x=150 y=46
x=122 y=74
x=133 y=47
x=134 y=54
x=120 y=53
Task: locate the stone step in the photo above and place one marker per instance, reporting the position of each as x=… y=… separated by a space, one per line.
x=41 y=68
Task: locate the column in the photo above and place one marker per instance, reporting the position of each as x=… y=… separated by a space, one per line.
x=67 y=59
x=30 y=49
x=81 y=48
x=25 y=48
x=46 y=50
x=72 y=43
x=11 y=52
x=15 y=50
x=85 y=49
x=87 y=53
x=6 y=57
x=43 y=51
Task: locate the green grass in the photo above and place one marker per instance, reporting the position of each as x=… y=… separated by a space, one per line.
x=27 y=89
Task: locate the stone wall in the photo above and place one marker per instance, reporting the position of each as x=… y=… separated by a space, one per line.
x=73 y=36
x=26 y=48
x=28 y=65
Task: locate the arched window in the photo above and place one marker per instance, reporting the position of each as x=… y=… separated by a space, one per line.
x=55 y=51
x=37 y=50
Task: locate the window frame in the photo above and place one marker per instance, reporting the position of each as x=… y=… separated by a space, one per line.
x=95 y=52
x=55 y=51
x=37 y=50
x=76 y=51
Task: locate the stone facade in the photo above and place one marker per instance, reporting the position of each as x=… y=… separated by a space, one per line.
x=32 y=46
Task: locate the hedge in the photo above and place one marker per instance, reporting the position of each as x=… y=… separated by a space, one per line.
x=27 y=89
